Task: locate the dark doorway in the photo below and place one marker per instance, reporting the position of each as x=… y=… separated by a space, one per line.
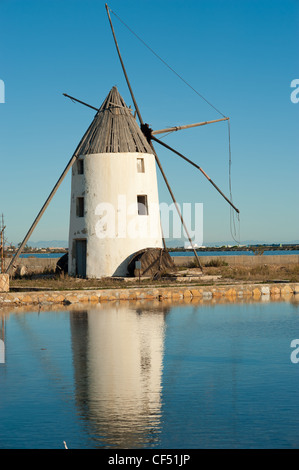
x=81 y=258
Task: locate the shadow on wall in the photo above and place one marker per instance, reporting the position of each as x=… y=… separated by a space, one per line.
x=152 y=261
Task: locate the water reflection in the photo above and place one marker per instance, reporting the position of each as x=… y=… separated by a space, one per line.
x=2 y=344
x=202 y=375
x=2 y=328
x=118 y=357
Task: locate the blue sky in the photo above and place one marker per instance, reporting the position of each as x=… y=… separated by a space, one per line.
x=240 y=55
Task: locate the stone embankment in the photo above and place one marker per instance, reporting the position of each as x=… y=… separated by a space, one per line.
x=184 y=294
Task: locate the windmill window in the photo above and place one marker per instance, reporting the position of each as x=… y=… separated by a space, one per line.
x=140 y=165
x=80 y=207
x=142 y=205
x=80 y=167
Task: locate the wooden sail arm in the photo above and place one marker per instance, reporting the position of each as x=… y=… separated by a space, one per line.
x=147 y=132
x=123 y=66
x=111 y=105
x=79 y=101
x=199 y=168
x=187 y=126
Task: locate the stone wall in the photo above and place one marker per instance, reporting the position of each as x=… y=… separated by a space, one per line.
x=189 y=294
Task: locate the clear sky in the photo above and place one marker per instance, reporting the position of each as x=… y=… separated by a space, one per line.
x=240 y=55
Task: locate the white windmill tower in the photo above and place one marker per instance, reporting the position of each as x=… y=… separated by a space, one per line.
x=114 y=195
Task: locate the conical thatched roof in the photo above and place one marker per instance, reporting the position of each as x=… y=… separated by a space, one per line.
x=113 y=130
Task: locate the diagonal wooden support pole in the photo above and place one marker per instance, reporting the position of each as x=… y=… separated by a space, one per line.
x=199 y=168
x=142 y=125
x=44 y=207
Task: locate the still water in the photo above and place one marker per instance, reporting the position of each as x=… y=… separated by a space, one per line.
x=183 y=253
x=164 y=377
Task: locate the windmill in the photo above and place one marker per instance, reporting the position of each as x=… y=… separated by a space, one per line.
x=114 y=196
x=103 y=259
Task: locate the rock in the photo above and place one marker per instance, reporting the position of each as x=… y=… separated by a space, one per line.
x=4 y=282
x=21 y=270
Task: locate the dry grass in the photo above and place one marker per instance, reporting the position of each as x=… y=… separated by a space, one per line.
x=56 y=282
x=64 y=282
x=264 y=274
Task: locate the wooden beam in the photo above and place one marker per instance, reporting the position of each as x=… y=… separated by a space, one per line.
x=2 y=249
x=123 y=67
x=199 y=168
x=176 y=206
x=82 y=102
x=39 y=215
x=142 y=125
x=44 y=207
x=178 y=128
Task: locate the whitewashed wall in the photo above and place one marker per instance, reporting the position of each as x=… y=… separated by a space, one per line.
x=115 y=233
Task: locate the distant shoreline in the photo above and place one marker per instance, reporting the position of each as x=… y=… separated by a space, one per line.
x=253 y=248
x=258 y=249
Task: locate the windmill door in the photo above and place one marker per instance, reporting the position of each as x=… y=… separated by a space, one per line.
x=81 y=258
